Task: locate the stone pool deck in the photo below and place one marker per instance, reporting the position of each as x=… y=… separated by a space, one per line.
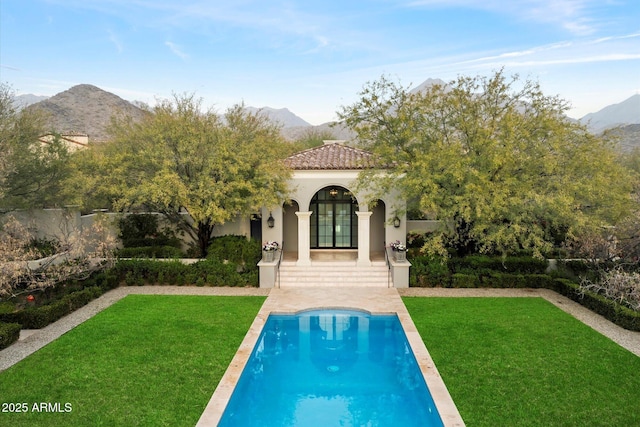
x=291 y=300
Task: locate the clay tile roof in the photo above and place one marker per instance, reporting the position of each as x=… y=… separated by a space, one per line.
x=331 y=156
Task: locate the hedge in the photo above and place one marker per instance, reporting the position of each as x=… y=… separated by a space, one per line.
x=510 y=264
x=237 y=249
x=150 y=252
x=610 y=310
x=210 y=272
x=39 y=317
x=9 y=333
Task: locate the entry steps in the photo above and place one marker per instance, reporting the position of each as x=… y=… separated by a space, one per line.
x=334 y=274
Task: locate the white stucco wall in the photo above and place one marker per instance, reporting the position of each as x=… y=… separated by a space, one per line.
x=305 y=184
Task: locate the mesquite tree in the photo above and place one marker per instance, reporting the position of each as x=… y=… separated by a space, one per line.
x=197 y=168
x=495 y=159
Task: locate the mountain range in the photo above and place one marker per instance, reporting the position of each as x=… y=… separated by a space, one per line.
x=88 y=109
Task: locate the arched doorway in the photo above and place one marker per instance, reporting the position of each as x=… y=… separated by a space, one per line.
x=334 y=223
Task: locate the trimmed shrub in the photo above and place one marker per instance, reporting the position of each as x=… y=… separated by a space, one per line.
x=460 y=280
x=512 y=264
x=39 y=317
x=428 y=271
x=9 y=333
x=150 y=252
x=210 y=272
x=237 y=249
x=616 y=313
x=503 y=280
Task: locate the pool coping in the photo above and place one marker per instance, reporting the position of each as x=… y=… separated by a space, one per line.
x=375 y=301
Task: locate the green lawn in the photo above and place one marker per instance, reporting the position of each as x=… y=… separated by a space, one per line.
x=147 y=360
x=524 y=362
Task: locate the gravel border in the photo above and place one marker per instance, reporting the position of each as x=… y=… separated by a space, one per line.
x=32 y=340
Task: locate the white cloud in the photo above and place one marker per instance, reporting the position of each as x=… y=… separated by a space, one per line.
x=113 y=38
x=176 y=50
x=573 y=15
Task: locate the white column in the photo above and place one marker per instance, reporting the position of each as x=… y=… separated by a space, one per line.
x=304 y=238
x=364 y=220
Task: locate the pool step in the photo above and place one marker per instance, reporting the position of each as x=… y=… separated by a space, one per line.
x=334 y=274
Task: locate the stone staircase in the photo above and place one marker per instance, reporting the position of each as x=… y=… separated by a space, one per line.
x=333 y=274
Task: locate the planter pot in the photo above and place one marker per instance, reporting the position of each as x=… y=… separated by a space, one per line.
x=268 y=255
x=401 y=255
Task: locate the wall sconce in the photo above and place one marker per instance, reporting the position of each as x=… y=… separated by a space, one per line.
x=396 y=222
x=270 y=221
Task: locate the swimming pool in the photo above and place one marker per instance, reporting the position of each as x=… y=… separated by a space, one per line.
x=331 y=368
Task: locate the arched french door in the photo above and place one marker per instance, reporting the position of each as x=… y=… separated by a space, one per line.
x=334 y=223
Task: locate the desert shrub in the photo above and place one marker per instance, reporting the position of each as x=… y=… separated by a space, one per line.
x=9 y=333
x=616 y=285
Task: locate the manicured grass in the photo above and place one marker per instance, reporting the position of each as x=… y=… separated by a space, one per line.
x=147 y=360
x=524 y=362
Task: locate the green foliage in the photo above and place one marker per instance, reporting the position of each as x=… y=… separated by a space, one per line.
x=237 y=249
x=39 y=317
x=150 y=252
x=495 y=159
x=7 y=307
x=616 y=313
x=137 y=230
x=429 y=271
x=9 y=333
x=511 y=264
x=460 y=280
x=211 y=272
x=44 y=247
x=182 y=159
x=478 y=271
x=312 y=138
x=31 y=172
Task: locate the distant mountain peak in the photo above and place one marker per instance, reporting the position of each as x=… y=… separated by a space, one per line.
x=88 y=109
x=283 y=116
x=427 y=84
x=623 y=113
x=23 y=101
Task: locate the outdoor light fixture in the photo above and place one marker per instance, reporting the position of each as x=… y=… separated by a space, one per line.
x=333 y=192
x=396 y=222
x=270 y=221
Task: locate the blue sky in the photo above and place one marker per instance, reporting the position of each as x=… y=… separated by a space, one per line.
x=314 y=56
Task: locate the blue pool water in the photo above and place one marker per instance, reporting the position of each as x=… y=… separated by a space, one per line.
x=331 y=368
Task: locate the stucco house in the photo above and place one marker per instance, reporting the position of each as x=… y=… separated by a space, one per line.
x=72 y=140
x=330 y=234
